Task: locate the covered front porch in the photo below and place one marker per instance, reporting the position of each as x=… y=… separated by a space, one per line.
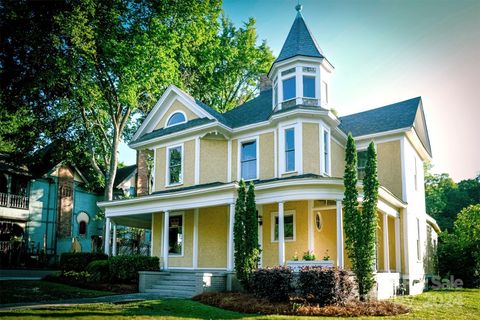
x=192 y=230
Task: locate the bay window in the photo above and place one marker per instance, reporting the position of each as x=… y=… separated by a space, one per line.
x=290 y=149
x=309 y=87
x=289 y=88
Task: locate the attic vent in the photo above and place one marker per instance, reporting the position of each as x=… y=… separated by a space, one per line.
x=288 y=71
x=309 y=69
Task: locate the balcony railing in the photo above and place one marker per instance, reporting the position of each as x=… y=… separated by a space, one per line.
x=13 y=201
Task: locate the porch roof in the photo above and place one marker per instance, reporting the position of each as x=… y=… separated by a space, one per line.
x=303 y=187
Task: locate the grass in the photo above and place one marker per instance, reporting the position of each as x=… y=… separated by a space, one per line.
x=37 y=291
x=460 y=304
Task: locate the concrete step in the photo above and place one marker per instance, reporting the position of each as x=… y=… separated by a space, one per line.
x=172 y=293
x=182 y=283
x=175 y=277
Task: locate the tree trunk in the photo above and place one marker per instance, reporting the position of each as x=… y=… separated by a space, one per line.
x=112 y=170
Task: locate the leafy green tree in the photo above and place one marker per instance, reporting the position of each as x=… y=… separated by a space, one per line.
x=360 y=225
x=445 y=199
x=459 y=252
x=236 y=65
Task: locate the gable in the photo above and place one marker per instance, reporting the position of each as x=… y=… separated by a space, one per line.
x=172 y=97
x=420 y=127
x=176 y=106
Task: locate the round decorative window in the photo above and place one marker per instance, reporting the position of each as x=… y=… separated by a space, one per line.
x=318 y=221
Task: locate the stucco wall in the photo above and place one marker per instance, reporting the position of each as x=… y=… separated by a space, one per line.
x=266 y=149
x=176 y=106
x=213 y=237
x=213 y=160
x=390 y=167
x=325 y=242
x=338 y=159
x=311 y=148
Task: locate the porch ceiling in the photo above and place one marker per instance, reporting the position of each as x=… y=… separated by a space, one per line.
x=143 y=221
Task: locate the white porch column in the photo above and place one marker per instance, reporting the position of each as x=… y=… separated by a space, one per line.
x=114 y=240
x=195 y=239
x=386 y=251
x=398 y=258
x=340 y=245
x=310 y=236
x=107 y=236
x=281 y=234
x=166 y=220
x=230 y=249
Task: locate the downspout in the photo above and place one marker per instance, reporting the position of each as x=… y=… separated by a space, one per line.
x=55 y=227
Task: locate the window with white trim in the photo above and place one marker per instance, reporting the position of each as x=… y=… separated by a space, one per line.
x=325 y=151
x=175 y=165
x=289 y=88
x=176 y=118
x=290 y=149
x=309 y=86
x=288 y=226
x=362 y=156
x=248 y=160
x=175 y=235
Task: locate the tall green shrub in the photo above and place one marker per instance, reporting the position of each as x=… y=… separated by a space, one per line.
x=360 y=225
x=239 y=232
x=247 y=251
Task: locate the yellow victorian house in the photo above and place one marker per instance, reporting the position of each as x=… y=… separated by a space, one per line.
x=289 y=143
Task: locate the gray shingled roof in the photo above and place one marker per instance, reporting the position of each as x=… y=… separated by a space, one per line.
x=256 y=110
x=299 y=42
x=124 y=173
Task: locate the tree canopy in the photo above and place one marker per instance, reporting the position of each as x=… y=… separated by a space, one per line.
x=88 y=70
x=445 y=198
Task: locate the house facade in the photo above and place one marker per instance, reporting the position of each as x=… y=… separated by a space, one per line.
x=45 y=213
x=292 y=146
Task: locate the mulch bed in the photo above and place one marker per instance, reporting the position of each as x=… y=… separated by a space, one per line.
x=248 y=303
x=112 y=287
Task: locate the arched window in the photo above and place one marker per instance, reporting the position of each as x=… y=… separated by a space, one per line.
x=82 y=228
x=176 y=118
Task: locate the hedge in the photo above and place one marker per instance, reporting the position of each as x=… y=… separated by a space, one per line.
x=325 y=286
x=126 y=268
x=99 y=270
x=274 y=284
x=78 y=261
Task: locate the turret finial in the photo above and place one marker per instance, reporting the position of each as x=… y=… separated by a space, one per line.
x=298 y=7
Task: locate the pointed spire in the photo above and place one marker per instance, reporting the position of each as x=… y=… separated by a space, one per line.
x=300 y=41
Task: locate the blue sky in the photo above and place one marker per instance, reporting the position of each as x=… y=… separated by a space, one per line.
x=386 y=51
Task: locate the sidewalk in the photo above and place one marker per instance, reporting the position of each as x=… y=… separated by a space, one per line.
x=23 y=274
x=119 y=298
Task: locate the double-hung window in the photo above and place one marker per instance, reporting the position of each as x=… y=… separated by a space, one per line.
x=361 y=163
x=290 y=149
x=248 y=160
x=325 y=151
x=175 y=165
x=288 y=226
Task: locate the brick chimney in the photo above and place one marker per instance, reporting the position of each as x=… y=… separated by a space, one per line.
x=265 y=83
x=143 y=175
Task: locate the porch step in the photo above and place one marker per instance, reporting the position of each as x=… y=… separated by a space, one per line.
x=174 y=283
x=173 y=292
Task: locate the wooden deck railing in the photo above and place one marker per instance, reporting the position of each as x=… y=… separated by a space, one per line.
x=13 y=201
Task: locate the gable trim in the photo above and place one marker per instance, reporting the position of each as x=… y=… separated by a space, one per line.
x=157 y=113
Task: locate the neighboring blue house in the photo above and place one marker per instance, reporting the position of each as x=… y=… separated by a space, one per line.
x=46 y=210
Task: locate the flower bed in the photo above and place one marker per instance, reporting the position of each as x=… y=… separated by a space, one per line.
x=248 y=303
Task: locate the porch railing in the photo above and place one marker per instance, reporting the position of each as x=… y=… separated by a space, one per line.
x=13 y=201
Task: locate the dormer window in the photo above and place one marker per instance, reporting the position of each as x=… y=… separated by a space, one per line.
x=176 y=118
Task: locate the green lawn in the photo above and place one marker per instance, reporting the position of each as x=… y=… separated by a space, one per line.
x=464 y=304
x=36 y=291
